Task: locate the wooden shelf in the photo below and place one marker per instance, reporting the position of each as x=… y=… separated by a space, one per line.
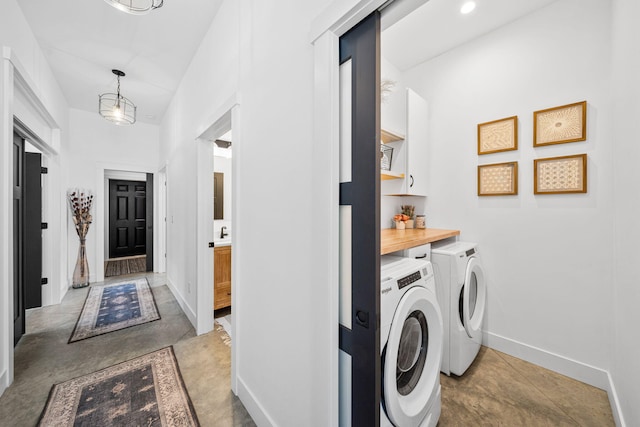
x=384 y=175
x=387 y=137
x=392 y=240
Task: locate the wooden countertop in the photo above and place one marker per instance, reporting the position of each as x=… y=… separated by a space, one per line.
x=392 y=240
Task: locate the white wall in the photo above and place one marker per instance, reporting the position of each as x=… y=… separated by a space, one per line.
x=25 y=52
x=211 y=79
x=625 y=367
x=259 y=50
x=96 y=145
x=548 y=258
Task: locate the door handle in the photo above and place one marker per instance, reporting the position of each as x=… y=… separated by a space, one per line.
x=411 y=176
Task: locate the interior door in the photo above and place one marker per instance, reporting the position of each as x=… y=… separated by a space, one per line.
x=360 y=224
x=127 y=218
x=32 y=230
x=18 y=291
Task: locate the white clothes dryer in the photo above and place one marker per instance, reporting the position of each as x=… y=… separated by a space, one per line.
x=462 y=294
x=410 y=343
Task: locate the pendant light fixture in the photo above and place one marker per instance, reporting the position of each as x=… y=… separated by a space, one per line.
x=115 y=107
x=136 y=7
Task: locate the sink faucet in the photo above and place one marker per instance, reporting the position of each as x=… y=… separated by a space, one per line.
x=223 y=232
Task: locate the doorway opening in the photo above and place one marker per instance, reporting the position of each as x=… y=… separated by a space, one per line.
x=222 y=230
x=128 y=205
x=217 y=234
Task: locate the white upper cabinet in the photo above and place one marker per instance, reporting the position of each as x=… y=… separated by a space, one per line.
x=409 y=173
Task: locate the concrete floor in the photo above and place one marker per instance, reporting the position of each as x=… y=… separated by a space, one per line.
x=497 y=390
x=43 y=358
x=501 y=390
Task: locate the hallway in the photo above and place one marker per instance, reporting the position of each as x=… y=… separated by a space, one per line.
x=43 y=358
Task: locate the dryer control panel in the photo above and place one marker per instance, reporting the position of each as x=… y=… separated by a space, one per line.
x=407 y=280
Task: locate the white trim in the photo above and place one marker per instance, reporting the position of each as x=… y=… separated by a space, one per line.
x=236 y=274
x=6 y=222
x=255 y=409
x=204 y=235
x=616 y=409
x=160 y=244
x=588 y=374
x=17 y=89
x=3 y=382
x=326 y=220
x=186 y=308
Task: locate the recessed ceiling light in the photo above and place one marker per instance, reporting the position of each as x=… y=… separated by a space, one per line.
x=468 y=7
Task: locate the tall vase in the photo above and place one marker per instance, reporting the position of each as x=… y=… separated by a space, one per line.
x=81 y=272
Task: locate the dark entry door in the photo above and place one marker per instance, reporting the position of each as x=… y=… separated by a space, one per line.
x=32 y=230
x=18 y=292
x=127 y=218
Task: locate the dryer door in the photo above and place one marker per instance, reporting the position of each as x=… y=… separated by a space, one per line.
x=411 y=364
x=474 y=298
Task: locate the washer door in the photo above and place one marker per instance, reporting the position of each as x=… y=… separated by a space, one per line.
x=411 y=371
x=474 y=298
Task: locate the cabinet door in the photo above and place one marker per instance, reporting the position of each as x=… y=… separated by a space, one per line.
x=222 y=277
x=416 y=141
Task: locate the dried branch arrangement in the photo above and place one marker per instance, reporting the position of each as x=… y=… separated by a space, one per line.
x=80 y=202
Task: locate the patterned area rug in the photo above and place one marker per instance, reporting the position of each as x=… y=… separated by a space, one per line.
x=115 y=306
x=120 y=267
x=145 y=391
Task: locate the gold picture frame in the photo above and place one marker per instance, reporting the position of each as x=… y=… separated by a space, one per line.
x=498 y=135
x=498 y=179
x=560 y=125
x=560 y=175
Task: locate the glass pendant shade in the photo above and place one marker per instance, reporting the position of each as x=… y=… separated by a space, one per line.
x=115 y=107
x=136 y=7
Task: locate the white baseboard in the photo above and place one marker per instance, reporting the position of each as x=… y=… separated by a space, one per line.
x=3 y=382
x=255 y=409
x=563 y=365
x=616 y=409
x=188 y=311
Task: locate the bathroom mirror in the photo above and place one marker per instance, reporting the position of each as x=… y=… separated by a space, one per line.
x=218 y=195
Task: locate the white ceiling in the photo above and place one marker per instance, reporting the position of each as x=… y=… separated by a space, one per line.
x=84 y=39
x=438 y=26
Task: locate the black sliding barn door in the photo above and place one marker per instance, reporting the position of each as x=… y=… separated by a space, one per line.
x=127 y=218
x=361 y=46
x=32 y=230
x=18 y=272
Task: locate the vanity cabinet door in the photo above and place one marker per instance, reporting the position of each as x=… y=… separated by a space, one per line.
x=222 y=277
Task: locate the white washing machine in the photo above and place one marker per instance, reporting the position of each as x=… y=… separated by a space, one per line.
x=462 y=294
x=410 y=343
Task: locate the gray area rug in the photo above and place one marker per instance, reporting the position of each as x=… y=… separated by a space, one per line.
x=115 y=306
x=145 y=391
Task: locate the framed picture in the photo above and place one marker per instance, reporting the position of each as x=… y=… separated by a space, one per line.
x=498 y=135
x=559 y=125
x=498 y=179
x=558 y=175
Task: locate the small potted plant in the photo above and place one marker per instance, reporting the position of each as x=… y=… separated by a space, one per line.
x=408 y=210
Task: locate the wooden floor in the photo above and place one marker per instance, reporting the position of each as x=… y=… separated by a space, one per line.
x=128 y=265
